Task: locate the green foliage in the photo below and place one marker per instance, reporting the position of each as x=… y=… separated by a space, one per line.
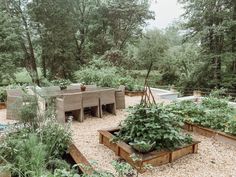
x=142 y=146
x=213 y=113
x=103 y=74
x=231 y=127
x=55 y=137
x=122 y=168
x=25 y=153
x=63 y=83
x=30 y=148
x=10 y=48
x=28 y=113
x=3 y=94
x=212 y=24
x=151 y=48
x=215 y=103
x=152 y=127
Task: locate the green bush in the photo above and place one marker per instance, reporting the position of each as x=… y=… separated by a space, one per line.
x=56 y=138
x=3 y=94
x=213 y=112
x=24 y=154
x=152 y=127
x=231 y=127
x=103 y=74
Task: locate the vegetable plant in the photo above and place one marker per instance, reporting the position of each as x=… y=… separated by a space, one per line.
x=152 y=127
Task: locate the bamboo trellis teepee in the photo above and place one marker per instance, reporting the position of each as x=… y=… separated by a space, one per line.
x=147 y=97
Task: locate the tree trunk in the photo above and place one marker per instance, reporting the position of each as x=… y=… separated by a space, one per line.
x=234 y=38
x=32 y=60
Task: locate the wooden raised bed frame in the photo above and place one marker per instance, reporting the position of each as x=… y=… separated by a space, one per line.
x=154 y=158
x=134 y=93
x=3 y=105
x=219 y=136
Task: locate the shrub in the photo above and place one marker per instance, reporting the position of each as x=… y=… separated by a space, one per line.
x=24 y=153
x=56 y=138
x=103 y=74
x=3 y=94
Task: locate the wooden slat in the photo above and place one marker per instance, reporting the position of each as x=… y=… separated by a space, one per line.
x=220 y=136
x=80 y=159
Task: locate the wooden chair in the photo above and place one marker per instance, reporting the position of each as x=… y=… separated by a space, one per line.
x=91 y=87
x=52 y=90
x=107 y=99
x=91 y=100
x=69 y=103
x=16 y=98
x=120 y=97
x=74 y=87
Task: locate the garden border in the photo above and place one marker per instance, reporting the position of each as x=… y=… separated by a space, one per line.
x=217 y=135
x=154 y=158
x=80 y=159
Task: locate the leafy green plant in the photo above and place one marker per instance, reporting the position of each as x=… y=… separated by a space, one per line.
x=142 y=146
x=56 y=138
x=24 y=154
x=3 y=94
x=231 y=127
x=152 y=127
x=213 y=112
x=214 y=103
x=122 y=168
x=28 y=114
x=63 y=83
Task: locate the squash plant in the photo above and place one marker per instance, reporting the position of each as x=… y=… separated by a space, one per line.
x=152 y=127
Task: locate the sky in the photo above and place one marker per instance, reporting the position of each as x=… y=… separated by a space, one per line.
x=166 y=12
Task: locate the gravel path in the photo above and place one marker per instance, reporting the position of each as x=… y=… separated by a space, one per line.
x=214 y=159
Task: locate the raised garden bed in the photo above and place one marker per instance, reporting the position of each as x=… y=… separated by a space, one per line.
x=3 y=105
x=79 y=158
x=219 y=136
x=134 y=93
x=154 y=158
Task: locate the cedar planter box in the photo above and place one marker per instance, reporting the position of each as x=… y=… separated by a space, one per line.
x=3 y=105
x=134 y=93
x=79 y=158
x=154 y=158
x=219 y=136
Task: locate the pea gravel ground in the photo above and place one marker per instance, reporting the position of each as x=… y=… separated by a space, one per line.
x=214 y=159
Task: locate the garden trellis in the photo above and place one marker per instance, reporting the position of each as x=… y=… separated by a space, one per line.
x=147 y=97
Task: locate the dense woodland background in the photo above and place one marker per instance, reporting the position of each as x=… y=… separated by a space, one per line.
x=105 y=41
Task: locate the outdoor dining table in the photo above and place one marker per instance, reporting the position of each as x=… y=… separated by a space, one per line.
x=92 y=98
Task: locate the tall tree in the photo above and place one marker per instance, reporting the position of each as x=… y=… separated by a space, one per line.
x=10 y=48
x=18 y=9
x=211 y=22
